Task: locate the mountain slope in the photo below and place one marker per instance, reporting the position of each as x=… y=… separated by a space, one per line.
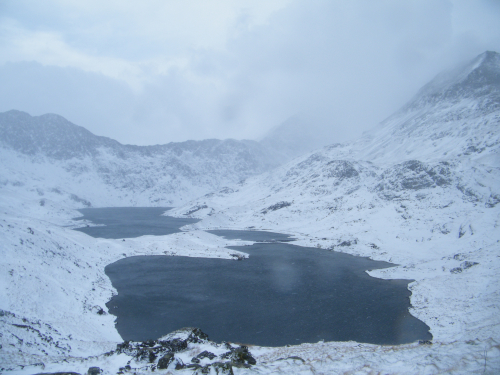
x=67 y=159
x=422 y=189
x=429 y=205
x=455 y=114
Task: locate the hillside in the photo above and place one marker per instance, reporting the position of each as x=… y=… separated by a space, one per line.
x=422 y=190
x=58 y=160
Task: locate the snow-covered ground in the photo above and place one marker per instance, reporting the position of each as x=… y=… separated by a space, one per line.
x=421 y=190
x=54 y=315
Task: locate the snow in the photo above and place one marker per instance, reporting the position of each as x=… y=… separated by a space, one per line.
x=421 y=190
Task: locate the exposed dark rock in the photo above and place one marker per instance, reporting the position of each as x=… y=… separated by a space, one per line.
x=226 y=190
x=197 y=336
x=492 y=201
x=195 y=209
x=413 y=175
x=294 y=357
x=425 y=342
x=206 y=354
x=77 y=199
x=465 y=265
x=179 y=365
x=149 y=351
x=94 y=371
x=165 y=361
x=276 y=206
x=456 y=270
x=461 y=231
x=239 y=356
x=468 y=194
x=175 y=345
x=341 y=169
x=237 y=256
x=348 y=243
x=222 y=368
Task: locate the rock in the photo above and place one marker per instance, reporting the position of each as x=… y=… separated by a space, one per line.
x=197 y=335
x=194 y=209
x=341 y=169
x=276 y=206
x=240 y=357
x=424 y=342
x=175 y=345
x=204 y=354
x=468 y=264
x=348 y=243
x=222 y=368
x=94 y=371
x=165 y=361
x=179 y=365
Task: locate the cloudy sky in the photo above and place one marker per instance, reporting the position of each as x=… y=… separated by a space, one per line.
x=156 y=71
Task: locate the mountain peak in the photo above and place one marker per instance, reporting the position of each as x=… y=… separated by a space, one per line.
x=478 y=78
x=490 y=57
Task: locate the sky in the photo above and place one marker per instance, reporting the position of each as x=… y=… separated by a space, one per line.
x=159 y=71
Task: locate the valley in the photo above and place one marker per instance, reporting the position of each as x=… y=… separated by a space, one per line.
x=420 y=190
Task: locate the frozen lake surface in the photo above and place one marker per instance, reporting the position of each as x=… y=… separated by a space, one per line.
x=282 y=294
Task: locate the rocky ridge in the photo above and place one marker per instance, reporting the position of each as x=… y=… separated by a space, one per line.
x=68 y=161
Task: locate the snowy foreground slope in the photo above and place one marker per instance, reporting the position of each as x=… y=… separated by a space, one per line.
x=51 y=157
x=421 y=190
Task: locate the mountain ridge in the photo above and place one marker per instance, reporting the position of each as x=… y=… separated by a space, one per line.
x=421 y=190
x=146 y=174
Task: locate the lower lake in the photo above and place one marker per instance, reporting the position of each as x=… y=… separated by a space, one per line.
x=282 y=294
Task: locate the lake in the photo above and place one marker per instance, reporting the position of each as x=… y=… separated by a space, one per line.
x=282 y=294
x=130 y=222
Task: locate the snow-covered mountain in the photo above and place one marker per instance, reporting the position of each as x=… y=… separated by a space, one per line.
x=447 y=138
x=421 y=190
x=55 y=158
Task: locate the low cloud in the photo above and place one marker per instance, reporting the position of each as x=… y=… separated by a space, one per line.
x=157 y=73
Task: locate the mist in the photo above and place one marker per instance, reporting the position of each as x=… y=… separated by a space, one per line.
x=161 y=72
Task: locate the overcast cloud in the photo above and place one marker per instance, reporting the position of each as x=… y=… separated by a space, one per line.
x=159 y=71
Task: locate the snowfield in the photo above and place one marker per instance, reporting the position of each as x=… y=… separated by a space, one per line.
x=421 y=190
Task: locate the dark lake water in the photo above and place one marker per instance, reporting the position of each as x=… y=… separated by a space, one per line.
x=282 y=294
x=252 y=235
x=130 y=222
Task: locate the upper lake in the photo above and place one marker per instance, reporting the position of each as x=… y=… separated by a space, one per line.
x=130 y=222
x=282 y=294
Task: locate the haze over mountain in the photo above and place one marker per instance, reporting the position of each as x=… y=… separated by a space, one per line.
x=299 y=134
x=449 y=127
